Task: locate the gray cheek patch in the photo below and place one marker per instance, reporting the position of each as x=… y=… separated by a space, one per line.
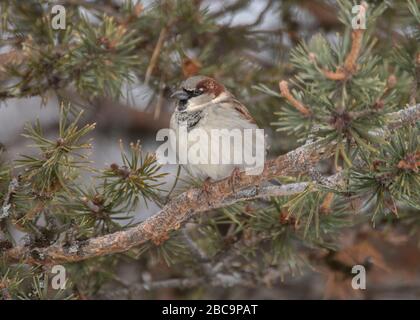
x=199 y=100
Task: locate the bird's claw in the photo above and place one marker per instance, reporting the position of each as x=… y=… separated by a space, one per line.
x=206 y=187
x=236 y=173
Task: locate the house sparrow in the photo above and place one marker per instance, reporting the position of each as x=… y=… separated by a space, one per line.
x=203 y=103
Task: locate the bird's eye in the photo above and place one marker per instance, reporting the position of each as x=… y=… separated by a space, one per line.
x=195 y=92
x=198 y=92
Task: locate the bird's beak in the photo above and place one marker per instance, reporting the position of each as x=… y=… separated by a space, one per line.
x=180 y=95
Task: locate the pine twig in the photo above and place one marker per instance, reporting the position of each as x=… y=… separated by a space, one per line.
x=284 y=90
x=155 y=55
x=349 y=67
x=326 y=203
x=416 y=81
x=14 y=183
x=199 y=255
x=14 y=57
x=350 y=64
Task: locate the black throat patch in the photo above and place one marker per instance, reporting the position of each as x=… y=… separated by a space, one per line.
x=190 y=118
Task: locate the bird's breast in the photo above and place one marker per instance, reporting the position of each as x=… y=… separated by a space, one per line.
x=189 y=119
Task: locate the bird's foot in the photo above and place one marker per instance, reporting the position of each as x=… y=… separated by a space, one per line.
x=206 y=187
x=234 y=177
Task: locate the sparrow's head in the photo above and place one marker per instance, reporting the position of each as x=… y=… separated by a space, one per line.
x=197 y=93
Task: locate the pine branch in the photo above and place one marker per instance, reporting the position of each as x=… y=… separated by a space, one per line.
x=198 y=254
x=182 y=283
x=192 y=202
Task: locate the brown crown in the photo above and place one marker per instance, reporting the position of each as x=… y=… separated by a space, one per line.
x=211 y=86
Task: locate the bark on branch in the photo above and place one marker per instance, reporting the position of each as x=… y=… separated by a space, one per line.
x=193 y=202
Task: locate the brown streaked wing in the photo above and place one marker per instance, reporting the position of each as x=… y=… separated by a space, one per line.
x=243 y=110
